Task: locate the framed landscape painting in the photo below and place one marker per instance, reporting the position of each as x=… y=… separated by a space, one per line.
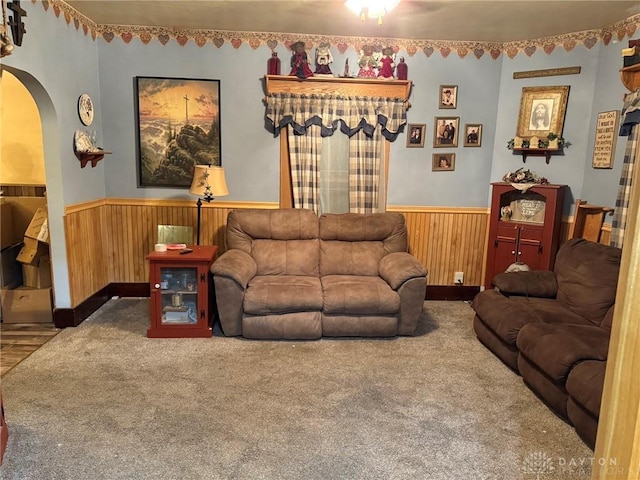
x=178 y=127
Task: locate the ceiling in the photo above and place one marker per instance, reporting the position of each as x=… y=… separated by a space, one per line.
x=451 y=20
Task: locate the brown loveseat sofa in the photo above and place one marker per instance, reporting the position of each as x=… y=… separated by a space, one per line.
x=553 y=327
x=291 y=275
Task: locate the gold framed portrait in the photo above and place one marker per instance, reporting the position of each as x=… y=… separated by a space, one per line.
x=448 y=96
x=473 y=135
x=443 y=162
x=415 y=135
x=445 y=132
x=542 y=111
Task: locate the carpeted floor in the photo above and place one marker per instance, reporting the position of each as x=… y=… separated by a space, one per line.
x=102 y=401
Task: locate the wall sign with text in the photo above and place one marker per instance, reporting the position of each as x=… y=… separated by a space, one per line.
x=605 y=142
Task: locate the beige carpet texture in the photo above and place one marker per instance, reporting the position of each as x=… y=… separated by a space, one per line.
x=103 y=401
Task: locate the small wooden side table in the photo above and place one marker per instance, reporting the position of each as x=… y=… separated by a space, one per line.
x=181 y=292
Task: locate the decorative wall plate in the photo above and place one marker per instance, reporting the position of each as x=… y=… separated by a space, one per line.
x=85 y=109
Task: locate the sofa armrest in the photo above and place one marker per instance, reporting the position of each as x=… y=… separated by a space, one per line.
x=398 y=267
x=237 y=265
x=533 y=283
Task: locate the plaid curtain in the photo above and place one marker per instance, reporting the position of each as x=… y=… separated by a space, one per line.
x=364 y=171
x=629 y=127
x=305 y=152
x=366 y=120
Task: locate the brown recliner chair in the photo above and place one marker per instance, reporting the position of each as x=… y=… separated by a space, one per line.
x=544 y=324
x=289 y=274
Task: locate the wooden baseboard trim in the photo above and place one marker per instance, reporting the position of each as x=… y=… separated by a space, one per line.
x=451 y=292
x=72 y=317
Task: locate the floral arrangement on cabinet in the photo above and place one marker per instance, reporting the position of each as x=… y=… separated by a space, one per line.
x=524 y=176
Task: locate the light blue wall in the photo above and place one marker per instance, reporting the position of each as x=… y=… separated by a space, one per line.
x=58 y=63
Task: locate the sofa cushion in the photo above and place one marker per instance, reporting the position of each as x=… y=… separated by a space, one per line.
x=389 y=228
x=556 y=348
x=607 y=321
x=269 y=294
x=587 y=275
x=246 y=225
x=505 y=316
x=357 y=295
x=533 y=283
x=350 y=258
x=286 y=257
x=585 y=384
x=548 y=310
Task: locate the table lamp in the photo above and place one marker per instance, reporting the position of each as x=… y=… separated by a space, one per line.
x=208 y=182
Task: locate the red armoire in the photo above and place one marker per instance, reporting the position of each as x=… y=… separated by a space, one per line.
x=525 y=226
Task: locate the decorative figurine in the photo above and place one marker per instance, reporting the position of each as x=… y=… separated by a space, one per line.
x=299 y=62
x=323 y=59
x=386 y=65
x=347 y=73
x=367 y=62
x=402 y=70
x=273 y=64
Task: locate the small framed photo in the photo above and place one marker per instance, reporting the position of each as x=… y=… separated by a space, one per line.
x=415 y=135
x=443 y=162
x=472 y=135
x=448 y=96
x=445 y=132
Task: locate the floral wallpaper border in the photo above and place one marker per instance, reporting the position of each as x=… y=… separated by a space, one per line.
x=126 y=33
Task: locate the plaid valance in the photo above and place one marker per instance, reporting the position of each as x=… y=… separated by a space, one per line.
x=330 y=112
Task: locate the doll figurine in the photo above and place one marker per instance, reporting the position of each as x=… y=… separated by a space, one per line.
x=299 y=62
x=367 y=62
x=386 y=65
x=323 y=59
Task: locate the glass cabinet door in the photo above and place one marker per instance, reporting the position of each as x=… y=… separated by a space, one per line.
x=179 y=295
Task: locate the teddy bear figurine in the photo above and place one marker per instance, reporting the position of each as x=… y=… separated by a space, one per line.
x=386 y=64
x=323 y=59
x=300 y=62
x=368 y=61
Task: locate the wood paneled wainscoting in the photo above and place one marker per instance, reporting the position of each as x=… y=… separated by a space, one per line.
x=108 y=239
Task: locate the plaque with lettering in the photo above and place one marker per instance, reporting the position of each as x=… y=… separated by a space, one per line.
x=604 y=145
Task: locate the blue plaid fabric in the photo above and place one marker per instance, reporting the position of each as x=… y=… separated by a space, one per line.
x=366 y=120
x=628 y=127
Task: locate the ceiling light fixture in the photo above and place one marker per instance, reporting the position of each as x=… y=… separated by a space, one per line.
x=371 y=8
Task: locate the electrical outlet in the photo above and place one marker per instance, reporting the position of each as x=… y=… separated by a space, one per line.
x=458 y=278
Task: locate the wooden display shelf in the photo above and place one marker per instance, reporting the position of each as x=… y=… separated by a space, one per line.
x=366 y=87
x=630 y=77
x=93 y=157
x=537 y=152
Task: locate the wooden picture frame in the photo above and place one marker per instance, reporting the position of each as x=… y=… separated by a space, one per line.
x=472 y=135
x=604 y=144
x=542 y=111
x=445 y=132
x=415 y=135
x=168 y=112
x=443 y=162
x=448 y=96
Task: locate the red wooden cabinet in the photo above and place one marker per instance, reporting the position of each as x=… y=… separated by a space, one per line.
x=181 y=293
x=524 y=227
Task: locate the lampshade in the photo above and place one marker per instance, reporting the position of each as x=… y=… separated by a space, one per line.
x=209 y=182
x=371 y=8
